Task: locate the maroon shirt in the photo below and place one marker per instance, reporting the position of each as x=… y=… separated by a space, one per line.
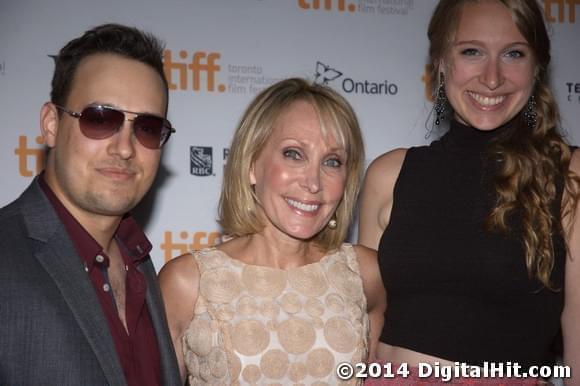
x=137 y=346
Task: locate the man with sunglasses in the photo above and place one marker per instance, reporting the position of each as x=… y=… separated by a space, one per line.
x=79 y=301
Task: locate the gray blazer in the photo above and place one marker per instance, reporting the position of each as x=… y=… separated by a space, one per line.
x=52 y=329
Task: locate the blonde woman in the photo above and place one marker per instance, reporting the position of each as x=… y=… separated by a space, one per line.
x=285 y=300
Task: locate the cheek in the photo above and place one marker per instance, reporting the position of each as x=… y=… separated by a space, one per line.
x=335 y=186
x=75 y=147
x=456 y=77
x=522 y=77
x=273 y=176
x=150 y=164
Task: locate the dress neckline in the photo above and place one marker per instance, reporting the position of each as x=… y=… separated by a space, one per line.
x=305 y=266
x=467 y=139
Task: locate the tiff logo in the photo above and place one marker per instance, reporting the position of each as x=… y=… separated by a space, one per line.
x=25 y=153
x=202 y=65
x=189 y=241
x=328 y=5
x=561 y=7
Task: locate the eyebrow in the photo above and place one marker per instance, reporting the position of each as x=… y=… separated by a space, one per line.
x=330 y=150
x=479 y=42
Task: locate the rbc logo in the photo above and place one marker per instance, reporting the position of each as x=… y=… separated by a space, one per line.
x=201 y=158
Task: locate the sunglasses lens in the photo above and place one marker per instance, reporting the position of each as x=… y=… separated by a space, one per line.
x=151 y=131
x=97 y=122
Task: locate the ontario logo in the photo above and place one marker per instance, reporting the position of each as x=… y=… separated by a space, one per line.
x=326 y=74
x=201 y=161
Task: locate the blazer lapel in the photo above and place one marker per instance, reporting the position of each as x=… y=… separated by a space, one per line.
x=169 y=368
x=56 y=253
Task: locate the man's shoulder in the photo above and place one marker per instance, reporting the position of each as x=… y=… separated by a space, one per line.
x=29 y=208
x=11 y=221
x=12 y=210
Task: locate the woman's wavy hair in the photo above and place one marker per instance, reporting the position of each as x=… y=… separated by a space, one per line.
x=534 y=161
x=238 y=214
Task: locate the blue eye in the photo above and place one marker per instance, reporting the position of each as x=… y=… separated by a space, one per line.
x=333 y=162
x=292 y=154
x=515 y=54
x=470 y=52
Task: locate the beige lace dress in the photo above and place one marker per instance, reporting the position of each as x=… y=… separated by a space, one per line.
x=266 y=326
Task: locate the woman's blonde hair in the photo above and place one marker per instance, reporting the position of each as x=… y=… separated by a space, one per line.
x=534 y=160
x=238 y=215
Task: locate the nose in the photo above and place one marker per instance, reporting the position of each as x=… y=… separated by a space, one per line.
x=123 y=142
x=311 y=178
x=491 y=75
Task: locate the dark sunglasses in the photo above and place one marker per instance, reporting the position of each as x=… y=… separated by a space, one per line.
x=100 y=122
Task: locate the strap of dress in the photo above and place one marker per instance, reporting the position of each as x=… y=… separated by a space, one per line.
x=351 y=259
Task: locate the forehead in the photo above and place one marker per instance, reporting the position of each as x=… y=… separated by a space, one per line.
x=301 y=121
x=487 y=21
x=118 y=81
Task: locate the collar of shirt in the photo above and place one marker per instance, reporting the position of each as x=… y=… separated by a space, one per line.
x=134 y=244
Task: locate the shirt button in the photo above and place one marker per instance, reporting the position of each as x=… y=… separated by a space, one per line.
x=106 y=287
x=99 y=258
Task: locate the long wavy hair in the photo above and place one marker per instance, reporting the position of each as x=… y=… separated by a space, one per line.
x=534 y=161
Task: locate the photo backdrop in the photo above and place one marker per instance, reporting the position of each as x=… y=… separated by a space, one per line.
x=220 y=53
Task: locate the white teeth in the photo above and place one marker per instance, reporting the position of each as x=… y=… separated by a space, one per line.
x=301 y=206
x=487 y=101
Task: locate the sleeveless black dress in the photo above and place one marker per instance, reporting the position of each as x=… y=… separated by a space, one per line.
x=455 y=290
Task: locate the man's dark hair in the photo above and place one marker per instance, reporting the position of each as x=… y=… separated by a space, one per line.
x=116 y=39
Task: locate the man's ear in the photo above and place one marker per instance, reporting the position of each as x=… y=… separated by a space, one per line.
x=49 y=119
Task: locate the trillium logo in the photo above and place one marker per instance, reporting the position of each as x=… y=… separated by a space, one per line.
x=325 y=74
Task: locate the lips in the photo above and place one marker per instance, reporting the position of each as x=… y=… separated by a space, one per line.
x=309 y=208
x=485 y=101
x=119 y=174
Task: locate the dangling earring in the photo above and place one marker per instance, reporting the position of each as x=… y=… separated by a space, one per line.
x=530 y=114
x=332 y=224
x=441 y=101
